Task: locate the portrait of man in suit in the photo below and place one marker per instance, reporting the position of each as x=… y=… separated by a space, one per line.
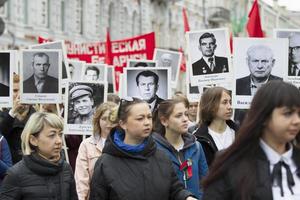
x=294 y=55
x=40 y=81
x=147 y=83
x=209 y=63
x=260 y=61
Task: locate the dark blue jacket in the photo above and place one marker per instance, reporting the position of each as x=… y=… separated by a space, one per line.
x=191 y=150
x=5 y=157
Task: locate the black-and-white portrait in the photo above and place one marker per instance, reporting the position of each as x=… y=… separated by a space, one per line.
x=60 y=46
x=151 y=84
x=8 y=64
x=292 y=72
x=171 y=59
x=83 y=98
x=4 y=74
x=257 y=61
x=111 y=79
x=40 y=70
x=141 y=63
x=209 y=54
x=94 y=72
x=75 y=69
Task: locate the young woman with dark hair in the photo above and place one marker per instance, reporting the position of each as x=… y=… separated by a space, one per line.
x=171 y=127
x=216 y=129
x=262 y=163
x=131 y=167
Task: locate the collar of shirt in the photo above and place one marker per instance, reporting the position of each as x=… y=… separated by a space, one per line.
x=275 y=157
x=38 y=81
x=152 y=104
x=253 y=85
x=206 y=59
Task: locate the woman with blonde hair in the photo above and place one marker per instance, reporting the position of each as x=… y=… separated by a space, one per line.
x=91 y=148
x=42 y=173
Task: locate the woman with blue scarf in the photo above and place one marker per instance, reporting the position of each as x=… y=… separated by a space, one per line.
x=131 y=167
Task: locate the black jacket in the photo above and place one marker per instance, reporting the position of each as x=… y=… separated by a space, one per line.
x=12 y=129
x=200 y=67
x=228 y=186
x=34 y=178
x=146 y=175
x=50 y=85
x=243 y=84
x=207 y=142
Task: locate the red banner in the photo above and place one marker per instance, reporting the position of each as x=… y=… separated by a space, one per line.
x=140 y=47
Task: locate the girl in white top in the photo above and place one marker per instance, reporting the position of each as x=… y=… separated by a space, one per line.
x=262 y=163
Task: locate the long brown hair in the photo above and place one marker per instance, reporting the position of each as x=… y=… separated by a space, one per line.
x=165 y=109
x=209 y=104
x=272 y=95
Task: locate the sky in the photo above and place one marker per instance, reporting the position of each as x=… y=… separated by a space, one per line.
x=290 y=4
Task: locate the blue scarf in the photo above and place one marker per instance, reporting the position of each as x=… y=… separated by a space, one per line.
x=119 y=141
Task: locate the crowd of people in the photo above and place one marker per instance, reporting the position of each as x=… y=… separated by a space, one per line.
x=179 y=150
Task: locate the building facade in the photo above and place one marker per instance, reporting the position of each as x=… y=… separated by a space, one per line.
x=87 y=20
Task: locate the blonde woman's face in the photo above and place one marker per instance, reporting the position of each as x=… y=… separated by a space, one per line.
x=48 y=143
x=105 y=124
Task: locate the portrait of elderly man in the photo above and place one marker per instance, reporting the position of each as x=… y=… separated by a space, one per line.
x=165 y=60
x=260 y=61
x=294 y=55
x=209 y=63
x=148 y=83
x=81 y=97
x=92 y=73
x=40 y=81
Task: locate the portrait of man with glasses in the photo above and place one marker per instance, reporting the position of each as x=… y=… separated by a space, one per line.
x=294 y=55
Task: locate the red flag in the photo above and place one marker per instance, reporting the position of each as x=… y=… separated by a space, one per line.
x=254 y=26
x=185 y=21
x=183 y=62
x=108 y=53
x=230 y=42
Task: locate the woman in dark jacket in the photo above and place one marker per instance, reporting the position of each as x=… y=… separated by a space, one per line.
x=131 y=167
x=42 y=174
x=216 y=131
x=262 y=163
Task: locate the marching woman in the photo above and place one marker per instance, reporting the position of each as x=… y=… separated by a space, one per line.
x=171 y=127
x=131 y=167
x=216 y=130
x=262 y=163
x=91 y=149
x=42 y=173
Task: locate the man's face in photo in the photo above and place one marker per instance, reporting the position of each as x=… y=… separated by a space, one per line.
x=40 y=66
x=207 y=47
x=260 y=63
x=294 y=49
x=91 y=75
x=147 y=87
x=71 y=70
x=83 y=105
x=166 y=60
